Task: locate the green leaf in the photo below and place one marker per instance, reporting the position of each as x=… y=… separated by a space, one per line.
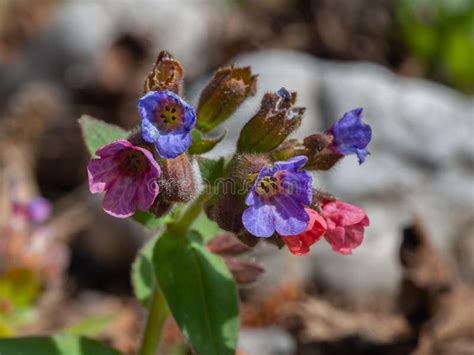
x=55 y=345
x=211 y=170
x=200 y=292
x=143 y=274
x=150 y=221
x=19 y=286
x=97 y=133
x=91 y=326
x=202 y=144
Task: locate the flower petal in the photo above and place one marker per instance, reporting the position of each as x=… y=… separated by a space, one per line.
x=297 y=245
x=146 y=192
x=171 y=145
x=101 y=172
x=149 y=131
x=342 y=213
x=113 y=148
x=259 y=219
x=290 y=216
x=292 y=164
x=344 y=239
x=299 y=185
x=119 y=199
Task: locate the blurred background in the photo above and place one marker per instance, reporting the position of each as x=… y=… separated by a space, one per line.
x=409 y=63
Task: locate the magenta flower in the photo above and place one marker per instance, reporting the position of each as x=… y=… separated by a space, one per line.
x=345 y=225
x=127 y=174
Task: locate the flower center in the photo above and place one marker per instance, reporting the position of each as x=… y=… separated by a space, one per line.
x=133 y=162
x=268 y=186
x=169 y=115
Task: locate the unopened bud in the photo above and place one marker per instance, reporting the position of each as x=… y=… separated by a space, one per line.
x=317 y=147
x=177 y=181
x=323 y=160
x=227 y=206
x=275 y=120
x=316 y=143
x=167 y=74
x=319 y=152
x=244 y=271
x=228 y=88
x=227 y=244
x=288 y=149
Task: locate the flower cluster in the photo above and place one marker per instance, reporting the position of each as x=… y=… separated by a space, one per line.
x=128 y=170
x=272 y=194
x=280 y=202
x=281 y=198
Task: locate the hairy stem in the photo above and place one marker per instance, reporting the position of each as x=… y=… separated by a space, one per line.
x=190 y=214
x=158 y=312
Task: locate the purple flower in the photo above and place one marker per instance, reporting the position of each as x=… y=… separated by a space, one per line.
x=166 y=121
x=351 y=135
x=127 y=174
x=35 y=211
x=278 y=198
x=39 y=209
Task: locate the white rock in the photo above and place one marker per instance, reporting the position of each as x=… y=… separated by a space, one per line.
x=266 y=341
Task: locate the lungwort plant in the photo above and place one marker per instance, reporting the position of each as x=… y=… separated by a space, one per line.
x=205 y=212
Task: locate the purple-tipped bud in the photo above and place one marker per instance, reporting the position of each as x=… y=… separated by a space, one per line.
x=272 y=124
x=226 y=91
x=227 y=244
x=167 y=74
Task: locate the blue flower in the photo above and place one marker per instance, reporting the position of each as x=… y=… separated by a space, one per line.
x=351 y=136
x=278 y=198
x=166 y=121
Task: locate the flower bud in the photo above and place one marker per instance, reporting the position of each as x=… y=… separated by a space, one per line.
x=227 y=206
x=228 y=88
x=177 y=180
x=323 y=160
x=317 y=147
x=320 y=155
x=167 y=74
x=227 y=245
x=244 y=271
x=275 y=120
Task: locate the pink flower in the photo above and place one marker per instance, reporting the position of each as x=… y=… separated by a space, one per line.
x=345 y=225
x=300 y=244
x=127 y=174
